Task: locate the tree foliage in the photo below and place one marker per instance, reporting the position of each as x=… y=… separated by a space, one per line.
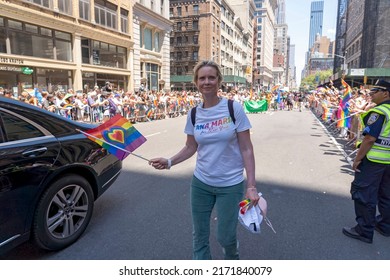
x=312 y=81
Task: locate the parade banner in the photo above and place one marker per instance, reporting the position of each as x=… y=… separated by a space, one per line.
x=252 y=106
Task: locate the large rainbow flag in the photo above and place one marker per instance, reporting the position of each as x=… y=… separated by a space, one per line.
x=117 y=136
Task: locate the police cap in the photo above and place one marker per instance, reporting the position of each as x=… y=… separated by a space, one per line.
x=381 y=85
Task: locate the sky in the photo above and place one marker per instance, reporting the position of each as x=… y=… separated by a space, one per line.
x=298 y=21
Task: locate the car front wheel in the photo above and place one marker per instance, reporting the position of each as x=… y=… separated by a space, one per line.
x=63 y=213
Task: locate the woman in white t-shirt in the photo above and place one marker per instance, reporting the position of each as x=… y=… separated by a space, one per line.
x=224 y=150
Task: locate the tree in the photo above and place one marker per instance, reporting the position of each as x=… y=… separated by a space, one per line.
x=312 y=81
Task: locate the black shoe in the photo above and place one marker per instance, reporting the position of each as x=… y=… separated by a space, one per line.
x=381 y=231
x=351 y=232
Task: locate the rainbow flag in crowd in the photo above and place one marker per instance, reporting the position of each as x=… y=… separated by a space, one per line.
x=149 y=113
x=347 y=94
x=274 y=88
x=117 y=136
x=343 y=119
x=327 y=114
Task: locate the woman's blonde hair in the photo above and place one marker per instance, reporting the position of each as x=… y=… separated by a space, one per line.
x=209 y=63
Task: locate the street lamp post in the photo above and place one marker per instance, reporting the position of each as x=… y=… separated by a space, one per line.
x=344 y=68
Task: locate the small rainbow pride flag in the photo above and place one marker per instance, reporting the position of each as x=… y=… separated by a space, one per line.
x=347 y=94
x=149 y=113
x=117 y=136
x=343 y=118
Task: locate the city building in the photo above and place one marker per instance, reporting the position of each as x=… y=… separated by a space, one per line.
x=316 y=21
x=151 y=29
x=78 y=44
x=265 y=21
x=364 y=46
x=281 y=50
x=341 y=29
x=211 y=30
x=244 y=10
x=321 y=55
x=292 y=69
x=196 y=29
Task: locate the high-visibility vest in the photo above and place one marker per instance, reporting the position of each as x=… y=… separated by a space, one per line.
x=380 y=151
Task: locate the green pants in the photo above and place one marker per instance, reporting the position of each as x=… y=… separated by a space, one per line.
x=226 y=199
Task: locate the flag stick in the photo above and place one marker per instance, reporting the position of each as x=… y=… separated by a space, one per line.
x=83 y=132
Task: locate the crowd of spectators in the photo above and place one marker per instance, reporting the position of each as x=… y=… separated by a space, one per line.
x=327 y=103
x=101 y=103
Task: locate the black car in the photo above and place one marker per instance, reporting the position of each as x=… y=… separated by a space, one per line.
x=50 y=176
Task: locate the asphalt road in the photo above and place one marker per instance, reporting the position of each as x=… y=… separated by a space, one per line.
x=299 y=169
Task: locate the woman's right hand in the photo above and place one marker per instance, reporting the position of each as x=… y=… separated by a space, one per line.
x=159 y=163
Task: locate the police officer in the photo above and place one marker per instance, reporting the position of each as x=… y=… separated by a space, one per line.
x=371 y=185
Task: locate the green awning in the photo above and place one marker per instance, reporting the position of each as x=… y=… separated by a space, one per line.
x=181 y=79
x=234 y=79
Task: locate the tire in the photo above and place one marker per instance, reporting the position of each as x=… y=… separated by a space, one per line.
x=63 y=213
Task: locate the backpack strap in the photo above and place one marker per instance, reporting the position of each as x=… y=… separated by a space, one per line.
x=193 y=115
x=231 y=112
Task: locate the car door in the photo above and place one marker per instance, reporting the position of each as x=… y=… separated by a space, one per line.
x=27 y=152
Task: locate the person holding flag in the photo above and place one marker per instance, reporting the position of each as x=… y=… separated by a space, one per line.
x=371 y=188
x=224 y=150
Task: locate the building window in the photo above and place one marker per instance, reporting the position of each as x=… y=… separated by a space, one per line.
x=104 y=54
x=162 y=7
x=179 y=11
x=44 y=3
x=195 y=55
x=32 y=40
x=157 y=41
x=196 y=9
x=124 y=20
x=195 y=38
x=63 y=46
x=147 y=39
x=3 y=46
x=195 y=25
x=105 y=14
x=65 y=6
x=152 y=74
x=85 y=51
x=84 y=9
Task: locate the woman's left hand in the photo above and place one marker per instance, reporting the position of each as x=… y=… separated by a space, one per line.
x=252 y=194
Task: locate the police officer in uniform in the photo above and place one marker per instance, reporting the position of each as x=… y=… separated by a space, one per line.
x=371 y=185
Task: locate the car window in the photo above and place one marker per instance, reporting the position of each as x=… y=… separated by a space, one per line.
x=18 y=129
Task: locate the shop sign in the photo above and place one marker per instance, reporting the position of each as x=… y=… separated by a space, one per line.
x=27 y=70
x=10 y=68
x=11 y=60
x=358 y=72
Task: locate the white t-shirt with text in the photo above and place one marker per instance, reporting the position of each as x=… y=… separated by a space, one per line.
x=219 y=160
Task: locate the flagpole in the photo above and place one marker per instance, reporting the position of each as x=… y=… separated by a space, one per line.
x=119 y=148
